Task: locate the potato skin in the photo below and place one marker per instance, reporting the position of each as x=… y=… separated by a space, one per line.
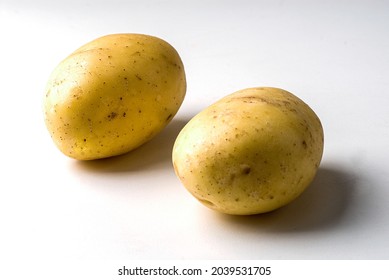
x=113 y=94
x=251 y=152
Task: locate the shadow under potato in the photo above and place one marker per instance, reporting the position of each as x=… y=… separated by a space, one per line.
x=321 y=206
x=151 y=155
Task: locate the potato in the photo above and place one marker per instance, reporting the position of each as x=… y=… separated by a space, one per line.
x=251 y=152
x=113 y=94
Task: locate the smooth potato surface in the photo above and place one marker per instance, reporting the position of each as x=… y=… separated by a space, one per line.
x=113 y=94
x=251 y=152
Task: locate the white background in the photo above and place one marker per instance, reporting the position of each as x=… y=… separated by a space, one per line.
x=332 y=54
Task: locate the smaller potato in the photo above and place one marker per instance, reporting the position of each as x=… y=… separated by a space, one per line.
x=113 y=94
x=251 y=152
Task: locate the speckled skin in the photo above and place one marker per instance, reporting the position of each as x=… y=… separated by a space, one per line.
x=251 y=152
x=113 y=94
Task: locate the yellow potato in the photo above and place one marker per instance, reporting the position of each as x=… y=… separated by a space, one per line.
x=251 y=152
x=113 y=94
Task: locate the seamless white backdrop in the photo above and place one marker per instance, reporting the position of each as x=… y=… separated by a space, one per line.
x=332 y=54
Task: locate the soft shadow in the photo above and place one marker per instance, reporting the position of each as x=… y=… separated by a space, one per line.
x=321 y=206
x=154 y=154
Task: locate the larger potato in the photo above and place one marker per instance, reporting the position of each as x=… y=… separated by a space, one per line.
x=251 y=152
x=113 y=94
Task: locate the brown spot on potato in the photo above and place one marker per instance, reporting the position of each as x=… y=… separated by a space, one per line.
x=206 y=202
x=253 y=99
x=246 y=169
x=112 y=115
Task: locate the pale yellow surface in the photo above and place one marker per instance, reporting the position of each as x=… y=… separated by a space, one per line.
x=251 y=152
x=113 y=94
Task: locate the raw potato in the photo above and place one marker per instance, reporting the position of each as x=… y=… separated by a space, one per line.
x=251 y=152
x=113 y=94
